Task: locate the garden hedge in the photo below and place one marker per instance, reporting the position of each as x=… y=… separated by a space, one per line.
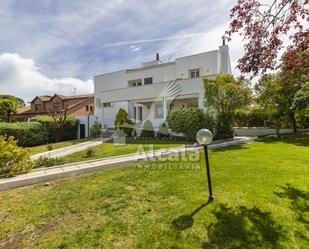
x=26 y=133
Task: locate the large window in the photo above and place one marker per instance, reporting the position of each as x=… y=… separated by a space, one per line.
x=148 y=81
x=194 y=73
x=158 y=111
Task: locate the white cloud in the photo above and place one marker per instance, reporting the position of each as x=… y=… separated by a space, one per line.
x=21 y=77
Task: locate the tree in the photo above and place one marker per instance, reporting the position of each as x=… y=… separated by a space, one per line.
x=122 y=121
x=7 y=108
x=263 y=27
x=301 y=99
x=224 y=95
x=59 y=118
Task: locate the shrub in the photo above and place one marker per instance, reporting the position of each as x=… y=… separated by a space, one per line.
x=148 y=130
x=49 y=147
x=26 y=133
x=95 y=130
x=13 y=159
x=162 y=131
x=90 y=152
x=251 y=117
x=69 y=131
x=189 y=120
x=48 y=162
x=123 y=122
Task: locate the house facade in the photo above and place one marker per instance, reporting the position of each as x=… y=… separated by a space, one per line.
x=151 y=91
x=79 y=106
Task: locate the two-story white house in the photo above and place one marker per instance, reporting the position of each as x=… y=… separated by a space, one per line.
x=154 y=89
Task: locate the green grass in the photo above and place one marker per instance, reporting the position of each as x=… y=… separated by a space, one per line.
x=42 y=148
x=108 y=149
x=261 y=201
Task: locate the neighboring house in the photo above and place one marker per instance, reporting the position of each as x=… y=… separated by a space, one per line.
x=154 y=89
x=79 y=106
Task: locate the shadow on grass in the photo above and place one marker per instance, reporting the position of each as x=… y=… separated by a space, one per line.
x=298 y=139
x=184 y=222
x=243 y=227
x=299 y=204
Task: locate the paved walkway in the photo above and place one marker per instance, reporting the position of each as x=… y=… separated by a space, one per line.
x=70 y=149
x=62 y=171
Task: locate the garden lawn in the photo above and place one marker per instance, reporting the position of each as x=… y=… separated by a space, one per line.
x=108 y=149
x=261 y=201
x=43 y=148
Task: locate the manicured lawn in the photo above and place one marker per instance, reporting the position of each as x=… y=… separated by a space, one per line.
x=261 y=201
x=108 y=149
x=43 y=148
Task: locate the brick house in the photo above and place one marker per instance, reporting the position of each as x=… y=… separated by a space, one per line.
x=79 y=106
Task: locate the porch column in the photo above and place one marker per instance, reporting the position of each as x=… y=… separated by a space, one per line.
x=164 y=108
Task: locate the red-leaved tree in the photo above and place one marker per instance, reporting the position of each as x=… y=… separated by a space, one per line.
x=263 y=27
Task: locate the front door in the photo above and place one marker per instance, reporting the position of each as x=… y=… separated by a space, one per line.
x=82 y=130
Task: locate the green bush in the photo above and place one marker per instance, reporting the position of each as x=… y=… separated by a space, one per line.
x=49 y=147
x=90 y=152
x=147 y=129
x=13 y=159
x=95 y=130
x=162 y=131
x=26 y=133
x=189 y=121
x=123 y=122
x=69 y=132
x=48 y=162
x=251 y=117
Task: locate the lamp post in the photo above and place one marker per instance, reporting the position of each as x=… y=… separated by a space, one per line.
x=204 y=137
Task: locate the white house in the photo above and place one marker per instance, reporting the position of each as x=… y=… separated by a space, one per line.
x=154 y=89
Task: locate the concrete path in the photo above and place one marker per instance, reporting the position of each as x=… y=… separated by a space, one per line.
x=62 y=171
x=69 y=149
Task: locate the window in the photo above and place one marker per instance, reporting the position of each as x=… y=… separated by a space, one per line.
x=107 y=104
x=158 y=112
x=194 y=73
x=56 y=105
x=148 y=81
x=87 y=108
x=134 y=83
x=37 y=107
x=91 y=108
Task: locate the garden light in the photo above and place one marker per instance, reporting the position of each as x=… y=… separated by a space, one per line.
x=204 y=137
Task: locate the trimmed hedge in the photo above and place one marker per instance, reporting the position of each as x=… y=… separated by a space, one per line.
x=189 y=121
x=70 y=128
x=38 y=131
x=252 y=117
x=26 y=133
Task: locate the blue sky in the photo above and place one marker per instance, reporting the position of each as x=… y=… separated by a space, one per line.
x=58 y=45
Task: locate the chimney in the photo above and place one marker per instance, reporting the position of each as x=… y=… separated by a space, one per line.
x=157 y=57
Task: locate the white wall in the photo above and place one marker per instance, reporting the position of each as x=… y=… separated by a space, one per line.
x=161 y=73
x=84 y=120
x=258 y=131
x=206 y=62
